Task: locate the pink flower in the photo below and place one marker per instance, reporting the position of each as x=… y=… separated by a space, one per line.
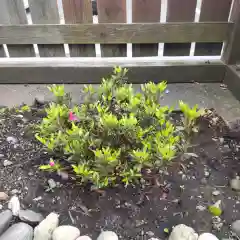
x=51 y=163
x=72 y=117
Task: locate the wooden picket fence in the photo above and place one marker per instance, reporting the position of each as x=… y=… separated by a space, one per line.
x=20 y=64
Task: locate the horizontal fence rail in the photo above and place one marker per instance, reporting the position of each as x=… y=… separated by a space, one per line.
x=115 y=33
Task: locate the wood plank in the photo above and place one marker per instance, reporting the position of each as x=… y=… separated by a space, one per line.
x=92 y=70
x=46 y=12
x=2 y=52
x=76 y=11
x=145 y=11
x=231 y=53
x=179 y=11
x=212 y=10
x=13 y=12
x=115 y=33
x=232 y=79
x=112 y=11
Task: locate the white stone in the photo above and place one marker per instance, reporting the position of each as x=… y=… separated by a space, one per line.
x=12 y=140
x=14 y=205
x=84 y=238
x=65 y=232
x=235 y=184
x=236 y=227
x=183 y=232
x=7 y=163
x=207 y=236
x=44 y=230
x=107 y=235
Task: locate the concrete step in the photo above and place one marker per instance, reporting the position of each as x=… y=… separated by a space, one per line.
x=210 y=95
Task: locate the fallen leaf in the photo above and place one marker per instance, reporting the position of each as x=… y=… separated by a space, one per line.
x=215 y=209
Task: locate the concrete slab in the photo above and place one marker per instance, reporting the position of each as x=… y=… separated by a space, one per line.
x=210 y=95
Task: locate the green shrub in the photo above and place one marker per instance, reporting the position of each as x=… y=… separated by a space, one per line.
x=115 y=134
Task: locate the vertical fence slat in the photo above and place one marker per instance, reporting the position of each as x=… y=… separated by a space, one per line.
x=76 y=11
x=145 y=11
x=46 y=12
x=212 y=11
x=179 y=11
x=13 y=12
x=231 y=52
x=112 y=11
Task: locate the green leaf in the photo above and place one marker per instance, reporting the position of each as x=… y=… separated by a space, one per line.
x=45 y=167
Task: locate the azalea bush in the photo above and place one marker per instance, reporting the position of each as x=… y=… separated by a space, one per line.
x=116 y=134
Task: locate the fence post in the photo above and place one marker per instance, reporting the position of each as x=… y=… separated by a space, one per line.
x=231 y=52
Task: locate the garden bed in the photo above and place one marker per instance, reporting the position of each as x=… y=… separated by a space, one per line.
x=180 y=193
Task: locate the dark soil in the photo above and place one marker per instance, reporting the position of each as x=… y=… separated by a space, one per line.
x=132 y=212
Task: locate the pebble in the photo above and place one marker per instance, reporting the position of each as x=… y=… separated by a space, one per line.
x=207 y=236
x=216 y=193
x=52 y=184
x=201 y=208
x=44 y=229
x=5 y=219
x=14 y=205
x=183 y=232
x=236 y=227
x=7 y=163
x=3 y=196
x=150 y=233
x=217 y=223
x=107 y=235
x=235 y=184
x=12 y=140
x=1 y=206
x=30 y=216
x=154 y=239
x=18 y=231
x=14 y=191
x=206 y=173
x=39 y=99
x=1 y=155
x=84 y=238
x=65 y=232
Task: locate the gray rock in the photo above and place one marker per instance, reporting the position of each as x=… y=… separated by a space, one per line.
x=235 y=184
x=18 y=231
x=65 y=232
x=107 y=235
x=84 y=238
x=30 y=216
x=14 y=205
x=5 y=219
x=236 y=227
x=12 y=140
x=44 y=229
x=207 y=236
x=7 y=163
x=183 y=232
